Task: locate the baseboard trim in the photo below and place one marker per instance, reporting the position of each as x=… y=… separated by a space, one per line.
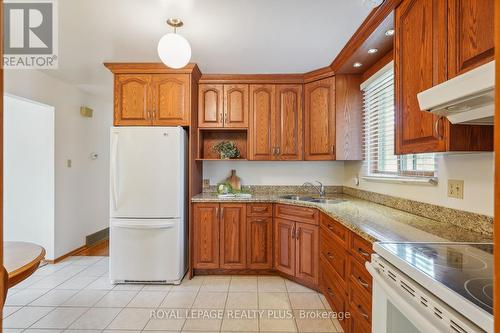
x=97 y=237
x=69 y=254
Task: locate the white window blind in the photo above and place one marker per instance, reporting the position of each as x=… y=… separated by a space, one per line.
x=378 y=133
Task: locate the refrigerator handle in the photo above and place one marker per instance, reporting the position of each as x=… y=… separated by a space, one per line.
x=129 y=225
x=114 y=170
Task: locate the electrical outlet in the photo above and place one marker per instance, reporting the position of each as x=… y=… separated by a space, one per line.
x=206 y=183
x=456 y=188
x=69 y=163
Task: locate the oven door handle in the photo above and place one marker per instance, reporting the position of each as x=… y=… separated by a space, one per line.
x=422 y=322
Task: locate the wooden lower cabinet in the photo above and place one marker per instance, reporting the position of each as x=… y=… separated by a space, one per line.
x=307 y=253
x=233 y=236
x=345 y=282
x=284 y=246
x=260 y=242
x=206 y=236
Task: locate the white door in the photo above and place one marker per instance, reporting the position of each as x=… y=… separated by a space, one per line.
x=147 y=172
x=147 y=250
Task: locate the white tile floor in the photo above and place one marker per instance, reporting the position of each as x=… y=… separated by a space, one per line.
x=76 y=296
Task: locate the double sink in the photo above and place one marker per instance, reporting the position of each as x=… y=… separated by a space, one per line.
x=310 y=199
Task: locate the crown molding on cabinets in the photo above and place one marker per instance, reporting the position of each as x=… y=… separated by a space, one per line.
x=252 y=78
x=150 y=68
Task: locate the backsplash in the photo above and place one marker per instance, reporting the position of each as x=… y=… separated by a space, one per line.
x=284 y=189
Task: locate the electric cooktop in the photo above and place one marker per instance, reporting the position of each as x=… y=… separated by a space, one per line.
x=465 y=268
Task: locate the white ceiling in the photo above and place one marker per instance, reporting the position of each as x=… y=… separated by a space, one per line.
x=226 y=36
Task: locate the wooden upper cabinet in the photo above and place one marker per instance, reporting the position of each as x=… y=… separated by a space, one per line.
x=171 y=99
x=348 y=117
x=470 y=34
x=132 y=100
x=262 y=122
x=223 y=105
x=307 y=253
x=284 y=246
x=320 y=120
x=289 y=126
x=236 y=105
x=206 y=236
x=211 y=105
x=420 y=62
x=233 y=236
x=260 y=242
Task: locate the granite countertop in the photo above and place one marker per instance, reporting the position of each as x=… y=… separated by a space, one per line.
x=372 y=221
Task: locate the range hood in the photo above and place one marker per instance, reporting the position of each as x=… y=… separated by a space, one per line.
x=466 y=99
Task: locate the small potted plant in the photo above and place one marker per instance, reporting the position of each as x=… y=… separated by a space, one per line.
x=227 y=150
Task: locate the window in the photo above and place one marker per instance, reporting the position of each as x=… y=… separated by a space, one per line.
x=378 y=132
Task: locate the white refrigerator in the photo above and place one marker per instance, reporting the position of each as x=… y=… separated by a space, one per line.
x=148 y=227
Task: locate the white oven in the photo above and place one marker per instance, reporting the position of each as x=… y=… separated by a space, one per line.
x=402 y=305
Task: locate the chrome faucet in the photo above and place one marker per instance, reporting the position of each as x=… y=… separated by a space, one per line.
x=320 y=188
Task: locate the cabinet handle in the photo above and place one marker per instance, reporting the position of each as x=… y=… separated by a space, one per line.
x=149 y=114
x=293 y=233
x=260 y=220
x=222 y=213
x=221 y=115
x=437 y=127
x=154 y=114
x=361 y=282
x=260 y=209
x=330 y=291
x=330 y=255
x=225 y=117
x=333 y=149
x=297 y=234
x=363 y=253
x=217 y=213
x=277 y=150
x=330 y=227
x=363 y=313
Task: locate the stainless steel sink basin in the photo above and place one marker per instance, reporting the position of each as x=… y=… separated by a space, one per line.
x=327 y=201
x=296 y=197
x=310 y=199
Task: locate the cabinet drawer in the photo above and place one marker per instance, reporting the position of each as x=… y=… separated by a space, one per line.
x=358 y=325
x=360 y=248
x=338 y=232
x=360 y=277
x=359 y=303
x=331 y=288
x=335 y=256
x=265 y=210
x=295 y=213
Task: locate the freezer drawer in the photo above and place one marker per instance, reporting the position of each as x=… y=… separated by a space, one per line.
x=147 y=250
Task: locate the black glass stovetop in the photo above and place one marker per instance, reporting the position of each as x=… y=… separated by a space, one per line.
x=467 y=269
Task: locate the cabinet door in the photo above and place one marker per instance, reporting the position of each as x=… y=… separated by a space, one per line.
x=236 y=105
x=171 y=99
x=470 y=34
x=320 y=120
x=206 y=236
x=307 y=253
x=132 y=100
x=420 y=62
x=210 y=105
x=233 y=236
x=284 y=246
x=289 y=125
x=260 y=242
x=262 y=122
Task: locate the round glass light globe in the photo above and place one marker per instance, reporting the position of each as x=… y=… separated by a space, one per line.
x=174 y=50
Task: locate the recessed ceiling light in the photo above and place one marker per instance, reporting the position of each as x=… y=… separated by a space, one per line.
x=389 y=32
x=371 y=51
x=357 y=64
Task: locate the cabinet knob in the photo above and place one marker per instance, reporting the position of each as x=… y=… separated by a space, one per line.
x=363 y=253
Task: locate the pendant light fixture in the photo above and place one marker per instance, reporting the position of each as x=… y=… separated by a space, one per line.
x=173 y=49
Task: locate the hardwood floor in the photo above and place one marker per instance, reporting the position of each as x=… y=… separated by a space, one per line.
x=98 y=249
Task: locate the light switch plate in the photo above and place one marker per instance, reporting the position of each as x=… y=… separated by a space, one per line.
x=456 y=188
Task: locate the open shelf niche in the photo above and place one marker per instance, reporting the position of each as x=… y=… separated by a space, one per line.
x=208 y=137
